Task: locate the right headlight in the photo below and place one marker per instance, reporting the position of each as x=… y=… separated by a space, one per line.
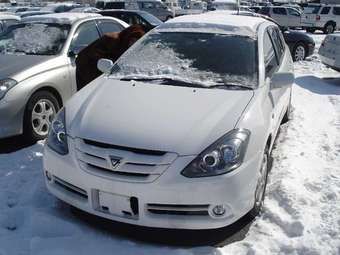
x=6 y=85
x=223 y=156
x=57 y=138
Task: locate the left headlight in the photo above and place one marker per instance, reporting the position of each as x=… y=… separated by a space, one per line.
x=57 y=138
x=223 y=156
x=6 y=85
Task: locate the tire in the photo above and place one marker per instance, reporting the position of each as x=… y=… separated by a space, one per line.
x=261 y=190
x=329 y=28
x=299 y=52
x=310 y=30
x=287 y=115
x=39 y=113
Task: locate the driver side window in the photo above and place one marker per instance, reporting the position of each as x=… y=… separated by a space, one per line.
x=85 y=35
x=270 y=61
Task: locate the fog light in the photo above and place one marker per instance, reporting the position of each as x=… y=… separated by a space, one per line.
x=48 y=176
x=219 y=210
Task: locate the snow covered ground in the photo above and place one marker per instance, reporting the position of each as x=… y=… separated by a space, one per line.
x=302 y=208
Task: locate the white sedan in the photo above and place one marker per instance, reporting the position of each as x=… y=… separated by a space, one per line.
x=179 y=131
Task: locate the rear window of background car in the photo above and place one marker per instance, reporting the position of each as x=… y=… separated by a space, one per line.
x=325 y=10
x=336 y=10
x=280 y=11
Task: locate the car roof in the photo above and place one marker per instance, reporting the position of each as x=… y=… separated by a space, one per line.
x=63 y=18
x=121 y=10
x=9 y=16
x=217 y=21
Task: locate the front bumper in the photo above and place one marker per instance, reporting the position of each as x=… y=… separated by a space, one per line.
x=169 y=201
x=11 y=118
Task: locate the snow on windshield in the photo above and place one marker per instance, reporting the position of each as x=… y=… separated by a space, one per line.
x=37 y=39
x=204 y=59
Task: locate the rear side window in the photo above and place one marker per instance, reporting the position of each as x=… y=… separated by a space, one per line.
x=280 y=11
x=270 y=61
x=109 y=26
x=336 y=10
x=279 y=45
x=293 y=12
x=325 y=10
x=264 y=11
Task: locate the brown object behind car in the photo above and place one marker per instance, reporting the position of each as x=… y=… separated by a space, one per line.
x=110 y=46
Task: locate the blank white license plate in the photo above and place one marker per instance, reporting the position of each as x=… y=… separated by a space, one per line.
x=115 y=204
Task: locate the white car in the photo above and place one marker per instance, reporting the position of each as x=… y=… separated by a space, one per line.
x=179 y=131
x=329 y=51
x=7 y=20
x=284 y=16
x=322 y=17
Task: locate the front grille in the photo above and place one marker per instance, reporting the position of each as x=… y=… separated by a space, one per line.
x=135 y=165
x=70 y=188
x=188 y=210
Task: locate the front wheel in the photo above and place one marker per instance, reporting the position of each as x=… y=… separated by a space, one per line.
x=328 y=29
x=261 y=184
x=299 y=52
x=40 y=111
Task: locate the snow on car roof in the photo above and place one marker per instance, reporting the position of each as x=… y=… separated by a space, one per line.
x=63 y=18
x=8 y=16
x=214 y=22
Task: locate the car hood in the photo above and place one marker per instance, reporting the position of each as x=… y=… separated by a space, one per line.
x=20 y=67
x=154 y=117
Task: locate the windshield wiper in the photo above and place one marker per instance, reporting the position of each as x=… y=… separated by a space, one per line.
x=168 y=81
x=231 y=86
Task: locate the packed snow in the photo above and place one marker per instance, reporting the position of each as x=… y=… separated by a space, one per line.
x=301 y=214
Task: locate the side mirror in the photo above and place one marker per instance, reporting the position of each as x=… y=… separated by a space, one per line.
x=280 y=80
x=105 y=65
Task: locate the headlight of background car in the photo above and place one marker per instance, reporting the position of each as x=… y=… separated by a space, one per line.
x=5 y=86
x=223 y=156
x=57 y=138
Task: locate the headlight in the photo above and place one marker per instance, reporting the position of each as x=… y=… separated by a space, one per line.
x=223 y=156
x=6 y=85
x=57 y=138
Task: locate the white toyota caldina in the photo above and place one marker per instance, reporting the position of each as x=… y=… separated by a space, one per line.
x=178 y=132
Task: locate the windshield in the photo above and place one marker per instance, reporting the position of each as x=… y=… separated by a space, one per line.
x=34 y=39
x=205 y=59
x=151 y=19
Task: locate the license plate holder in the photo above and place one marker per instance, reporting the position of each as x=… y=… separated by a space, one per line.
x=114 y=204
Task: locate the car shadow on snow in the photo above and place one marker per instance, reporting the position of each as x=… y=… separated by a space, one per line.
x=12 y=144
x=170 y=237
x=322 y=86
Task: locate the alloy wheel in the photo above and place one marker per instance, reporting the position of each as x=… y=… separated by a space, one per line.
x=43 y=113
x=300 y=53
x=261 y=183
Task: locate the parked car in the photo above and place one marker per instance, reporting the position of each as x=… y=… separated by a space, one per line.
x=134 y=17
x=32 y=13
x=154 y=7
x=285 y=16
x=321 y=17
x=37 y=70
x=7 y=20
x=179 y=131
x=60 y=7
x=329 y=51
x=85 y=9
x=300 y=44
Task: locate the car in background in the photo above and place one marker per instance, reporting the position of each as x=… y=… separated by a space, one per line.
x=285 y=16
x=32 y=13
x=300 y=44
x=7 y=20
x=329 y=51
x=255 y=9
x=321 y=17
x=37 y=67
x=134 y=17
x=86 y=9
x=178 y=131
x=60 y=7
